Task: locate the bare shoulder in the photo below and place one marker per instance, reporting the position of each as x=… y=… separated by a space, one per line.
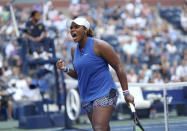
x=101 y=46
x=100 y=43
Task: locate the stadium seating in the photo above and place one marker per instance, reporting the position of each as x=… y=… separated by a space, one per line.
x=172 y=15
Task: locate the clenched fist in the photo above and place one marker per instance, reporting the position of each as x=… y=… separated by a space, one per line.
x=61 y=65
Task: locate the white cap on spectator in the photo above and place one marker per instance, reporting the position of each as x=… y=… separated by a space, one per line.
x=82 y=21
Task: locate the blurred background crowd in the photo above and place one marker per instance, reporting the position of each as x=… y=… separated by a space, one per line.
x=150 y=41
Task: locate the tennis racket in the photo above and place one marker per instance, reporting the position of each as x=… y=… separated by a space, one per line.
x=137 y=125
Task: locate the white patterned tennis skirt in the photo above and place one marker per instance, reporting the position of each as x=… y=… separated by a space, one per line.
x=108 y=100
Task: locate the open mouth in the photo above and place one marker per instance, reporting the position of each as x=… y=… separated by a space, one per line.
x=74 y=35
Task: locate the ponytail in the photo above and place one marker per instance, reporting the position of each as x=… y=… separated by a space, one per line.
x=90 y=33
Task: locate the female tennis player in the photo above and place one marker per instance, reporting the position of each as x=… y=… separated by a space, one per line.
x=98 y=91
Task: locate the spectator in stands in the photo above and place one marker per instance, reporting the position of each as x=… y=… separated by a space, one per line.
x=130 y=7
x=171 y=48
x=174 y=34
x=37 y=7
x=5 y=98
x=124 y=35
x=98 y=13
x=142 y=78
x=184 y=55
x=46 y=7
x=84 y=7
x=146 y=10
x=130 y=47
x=130 y=21
x=184 y=17
x=181 y=70
x=11 y=48
x=6 y=30
x=154 y=77
x=159 y=78
x=136 y=65
x=173 y=67
x=131 y=76
x=128 y=62
x=164 y=68
x=174 y=77
x=23 y=16
x=22 y=88
x=5 y=14
x=165 y=73
x=171 y=51
x=110 y=27
x=146 y=53
x=16 y=70
x=24 y=91
x=36 y=33
x=74 y=8
x=99 y=29
x=146 y=71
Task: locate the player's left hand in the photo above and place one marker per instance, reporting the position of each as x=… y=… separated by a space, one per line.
x=129 y=99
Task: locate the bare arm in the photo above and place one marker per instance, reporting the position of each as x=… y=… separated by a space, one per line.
x=104 y=50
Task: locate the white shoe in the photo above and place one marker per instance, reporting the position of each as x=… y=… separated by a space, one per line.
x=35 y=55
x=50 y=55
x=44 y=55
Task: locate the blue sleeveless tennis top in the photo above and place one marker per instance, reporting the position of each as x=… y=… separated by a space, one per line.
x=94 y=77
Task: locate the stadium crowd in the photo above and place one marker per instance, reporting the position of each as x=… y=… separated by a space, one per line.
x=151 y=49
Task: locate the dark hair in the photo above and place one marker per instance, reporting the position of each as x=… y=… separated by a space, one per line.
x=33 y=13
x=90 y=33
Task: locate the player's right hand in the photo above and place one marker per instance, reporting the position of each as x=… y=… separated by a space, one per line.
x=129 y=99
x=61 y=65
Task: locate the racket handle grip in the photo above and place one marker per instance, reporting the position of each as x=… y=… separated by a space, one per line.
x=132 y=107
